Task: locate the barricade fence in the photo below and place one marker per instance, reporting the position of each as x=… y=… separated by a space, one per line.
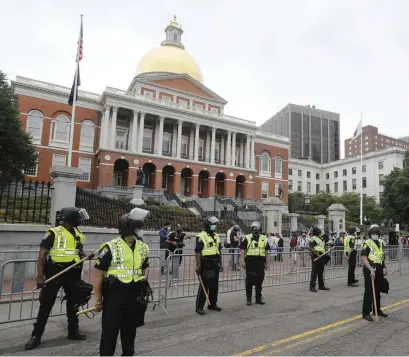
x=172 y=275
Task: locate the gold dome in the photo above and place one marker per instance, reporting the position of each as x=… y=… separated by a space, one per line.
x=170 y=59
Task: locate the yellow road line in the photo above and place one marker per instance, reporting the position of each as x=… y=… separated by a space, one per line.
x=311 y=332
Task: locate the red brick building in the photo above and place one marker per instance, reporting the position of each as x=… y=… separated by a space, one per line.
x=167 y=123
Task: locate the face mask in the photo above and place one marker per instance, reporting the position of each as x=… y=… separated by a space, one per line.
x=256 y=233
x=374 y=237
x=139 y=234
x=213 y=227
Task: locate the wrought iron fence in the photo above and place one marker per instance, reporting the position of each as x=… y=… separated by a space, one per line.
x=25 y=201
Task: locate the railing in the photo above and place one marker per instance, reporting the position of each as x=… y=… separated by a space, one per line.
x=114 y=189
x=25 y=202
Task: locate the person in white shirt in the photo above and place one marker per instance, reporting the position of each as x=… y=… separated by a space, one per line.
x=302 y=244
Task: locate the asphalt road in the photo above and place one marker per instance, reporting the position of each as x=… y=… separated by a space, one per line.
x=293 y=322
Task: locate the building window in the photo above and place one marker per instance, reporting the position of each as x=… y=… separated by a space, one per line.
x=380 y=165
x=363 y=168
x=366 y=143
x=147 y=140
x=59 y=160
x=32 y=170
x=317 y=176
x=183 y=147
x=264 y=189
x=345 y=186
x=327 y=175
x=120 y=139
x=276 y=190
x=335 y=187
x=87 y=133
x=344 y=172
x=366 y=138
x=363 y=182
x=299 y=173
x=308 y=174
x=85 y=165
x=335 y=174
x=61 y=129
x=327 y=188
x=265 y=163
x=290 y=172
x=299 y=186
x=166 y=143
x=217 y=152
x=308 y=187
x=201 y=149
x=35 y=124
x=317 y=188
x=278 y=167
x=290 y=185
x=381 y=179
x=354 y=171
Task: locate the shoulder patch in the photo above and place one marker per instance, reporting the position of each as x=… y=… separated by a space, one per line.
x=104 y=251
x=46 y=235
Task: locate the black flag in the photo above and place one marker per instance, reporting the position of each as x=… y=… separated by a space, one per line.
x=71 y=98
x=77 y=72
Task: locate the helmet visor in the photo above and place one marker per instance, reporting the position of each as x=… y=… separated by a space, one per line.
x=256 y=225
x=212 y=220
x=138 y=214
x=83 y=214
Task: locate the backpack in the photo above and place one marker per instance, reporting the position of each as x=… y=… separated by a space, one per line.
x=338 y=242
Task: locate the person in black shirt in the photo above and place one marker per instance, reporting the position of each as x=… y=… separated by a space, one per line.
x=374 y=268
x=176 y=239
x=235 y=245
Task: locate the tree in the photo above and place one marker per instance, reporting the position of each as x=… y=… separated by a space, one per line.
x=16 y=148
x=394 y=199
x=296 y=202
x=352 y=203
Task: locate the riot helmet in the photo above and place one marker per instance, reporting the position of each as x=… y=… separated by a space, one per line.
x=73 y=215
x=374 y=232
x=316 y=231
x=351 y=230
x=256 y=228
x=210 y=223
x=132 y=222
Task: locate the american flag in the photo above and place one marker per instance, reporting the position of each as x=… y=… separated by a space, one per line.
x=77 y=72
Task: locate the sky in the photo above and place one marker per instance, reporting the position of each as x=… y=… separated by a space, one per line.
x=344 y=56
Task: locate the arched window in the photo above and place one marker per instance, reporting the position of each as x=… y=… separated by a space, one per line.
x=278 y=167
x=175 y=37
x=265 y=163
x=61 y=129
x=35 y=124
x=87 y=133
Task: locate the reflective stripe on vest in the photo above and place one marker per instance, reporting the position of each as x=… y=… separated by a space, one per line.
x=210 y=245
x=320 y=247
x=64 y=249
x=126 y=265
x=251 y=250
x=376 y=254
x=347 y=239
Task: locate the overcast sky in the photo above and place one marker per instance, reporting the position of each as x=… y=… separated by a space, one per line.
x=345 y=56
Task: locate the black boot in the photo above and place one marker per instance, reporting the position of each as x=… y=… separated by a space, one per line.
x=33 y=343
x=76 y=335
x=367 y=317
x=214 y=308
x=200 y=311
x=260 y=301
x=248 y=303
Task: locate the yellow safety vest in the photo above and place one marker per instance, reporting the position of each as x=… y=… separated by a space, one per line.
x=252 y=251
x=376 y=254
x=126 y=265
x=320 y=247
x=64 y=249
x=210 y=245
x=347 y=249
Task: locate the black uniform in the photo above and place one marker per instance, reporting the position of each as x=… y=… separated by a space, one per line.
x=368 y=305
x=49 y=292
x=178 y=237
x=122 y=310
x=210 y=275
x=317 y=269
x=351 y=262
x=254 y=270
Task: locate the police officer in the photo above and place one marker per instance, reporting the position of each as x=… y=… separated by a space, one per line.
x=120 y=285
x=208 y=264
x=317 y=248
x=374 y=268
x=61 y=247
x=254 y=253
x=350 y=254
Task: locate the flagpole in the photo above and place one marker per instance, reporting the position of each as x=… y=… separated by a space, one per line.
x=74 y=103
x=361 y=207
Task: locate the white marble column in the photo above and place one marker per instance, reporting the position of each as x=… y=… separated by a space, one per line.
x=208 y=146
x=252 y=157
x=103 y=135
x=179 y=140
x=197 y=141
x=174 y=140
x=228 y=149
x=191 y=143
x=241 y=159
x=233 y=149
x=113 y=128
x=247 y=153
x=141 y=130
x=159 y=144
x=222 y=144
x=213 y=146
x=134 y=131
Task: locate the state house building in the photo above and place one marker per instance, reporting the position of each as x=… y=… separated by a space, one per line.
x=167 y=122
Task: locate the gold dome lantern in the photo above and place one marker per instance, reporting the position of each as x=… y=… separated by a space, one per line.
x=171 y=56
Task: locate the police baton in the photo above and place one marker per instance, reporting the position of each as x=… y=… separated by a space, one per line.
x=83 y=312
x=90 y=256
x=374 y=299
x=329 y=250
x=203 y=287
